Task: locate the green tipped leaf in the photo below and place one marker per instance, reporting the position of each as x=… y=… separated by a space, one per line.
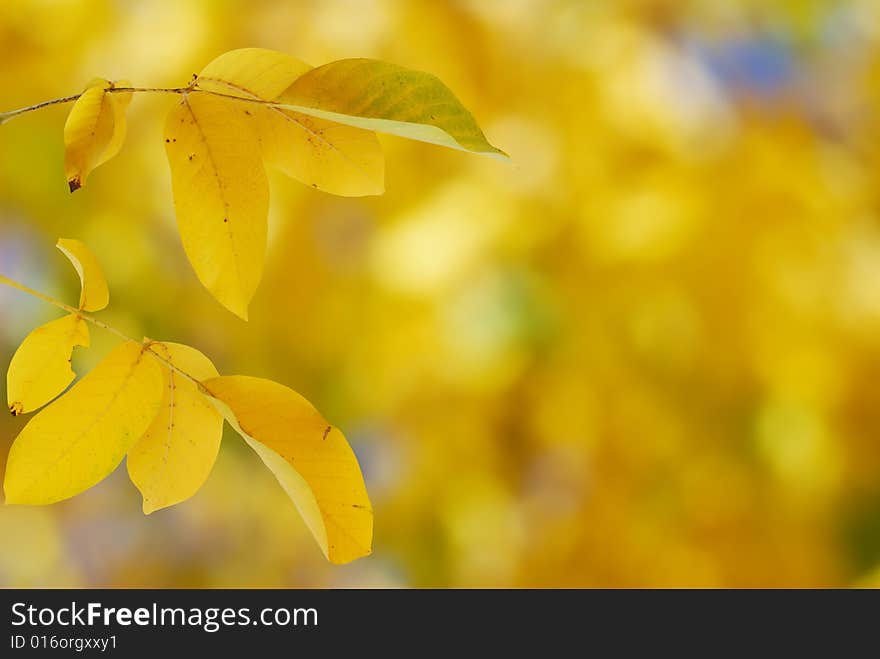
x=387 y=98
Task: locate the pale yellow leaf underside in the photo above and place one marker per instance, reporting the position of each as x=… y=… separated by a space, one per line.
x=328 y=156
x=387 y=98
x=40 y=368
x=78 y=440
x=221 y=196
x=175 y=455
x=94 y=130
x=311 y=460
x=94 y=293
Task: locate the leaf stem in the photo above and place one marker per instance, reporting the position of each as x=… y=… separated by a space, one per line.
x=147 y=343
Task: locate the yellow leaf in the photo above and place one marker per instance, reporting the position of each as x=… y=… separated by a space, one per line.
x=94 y=294
x=94 y=131
x=221 y=196
x=40 y=368
x=252 y=72
x=82 y=437
x=328 y=156
x=311 y=459
x=387 y=98
x=174 y=457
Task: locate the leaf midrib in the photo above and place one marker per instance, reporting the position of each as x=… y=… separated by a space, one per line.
x=221 y=190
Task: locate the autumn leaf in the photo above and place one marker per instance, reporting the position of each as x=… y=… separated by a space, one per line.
x=387 y=98
x=221 y=196
x=94 y=131
x=310 y=458
x=251 y=73
x=79 y=439
x=94 y=293
x=216 y=146
x=175 y=455
x=338 y=159
x=40 y=368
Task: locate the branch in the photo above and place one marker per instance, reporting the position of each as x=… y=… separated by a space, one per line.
x=6 y=116
x=147 y=343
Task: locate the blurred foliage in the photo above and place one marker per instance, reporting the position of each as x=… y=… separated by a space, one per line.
x=645 y=354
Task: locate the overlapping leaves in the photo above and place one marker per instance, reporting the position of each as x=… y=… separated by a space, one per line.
x=163 y=405
x=250 y=108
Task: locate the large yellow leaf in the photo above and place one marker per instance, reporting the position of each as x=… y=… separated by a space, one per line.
x=387 y=98
x=329 y=156
x=174 y=457
x=252 y=73
x=94 y=131
x=40 y=368
x=311 y=459
x=83 y=436
x=94 y=294
x=221 y=195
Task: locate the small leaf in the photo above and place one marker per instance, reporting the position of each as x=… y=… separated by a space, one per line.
x=311 y=460
x=221 y=196
x=94 y=131
x=82 y=437
x=175 y=455
x=94 y=294
x=40 y=368
x=387 y=98
x=328 y=156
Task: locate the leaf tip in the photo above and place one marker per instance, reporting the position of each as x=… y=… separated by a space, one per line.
x=236 y=304
x=498 y=154
x=343 y=559
x=74 y=183
x=241 y=312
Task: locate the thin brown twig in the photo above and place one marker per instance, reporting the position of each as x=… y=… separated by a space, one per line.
x=147 y=343
x=6 y=116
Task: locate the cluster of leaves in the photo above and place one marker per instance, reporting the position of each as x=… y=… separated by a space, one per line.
x=163 y=404
x=254 y=107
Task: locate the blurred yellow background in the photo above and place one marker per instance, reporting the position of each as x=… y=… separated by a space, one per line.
x=647 y=353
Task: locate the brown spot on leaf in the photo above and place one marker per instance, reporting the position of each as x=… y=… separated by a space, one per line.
x=16 y=408
x=167 y=140
x=225 y=220
x=327 y=431
x=74 y=184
